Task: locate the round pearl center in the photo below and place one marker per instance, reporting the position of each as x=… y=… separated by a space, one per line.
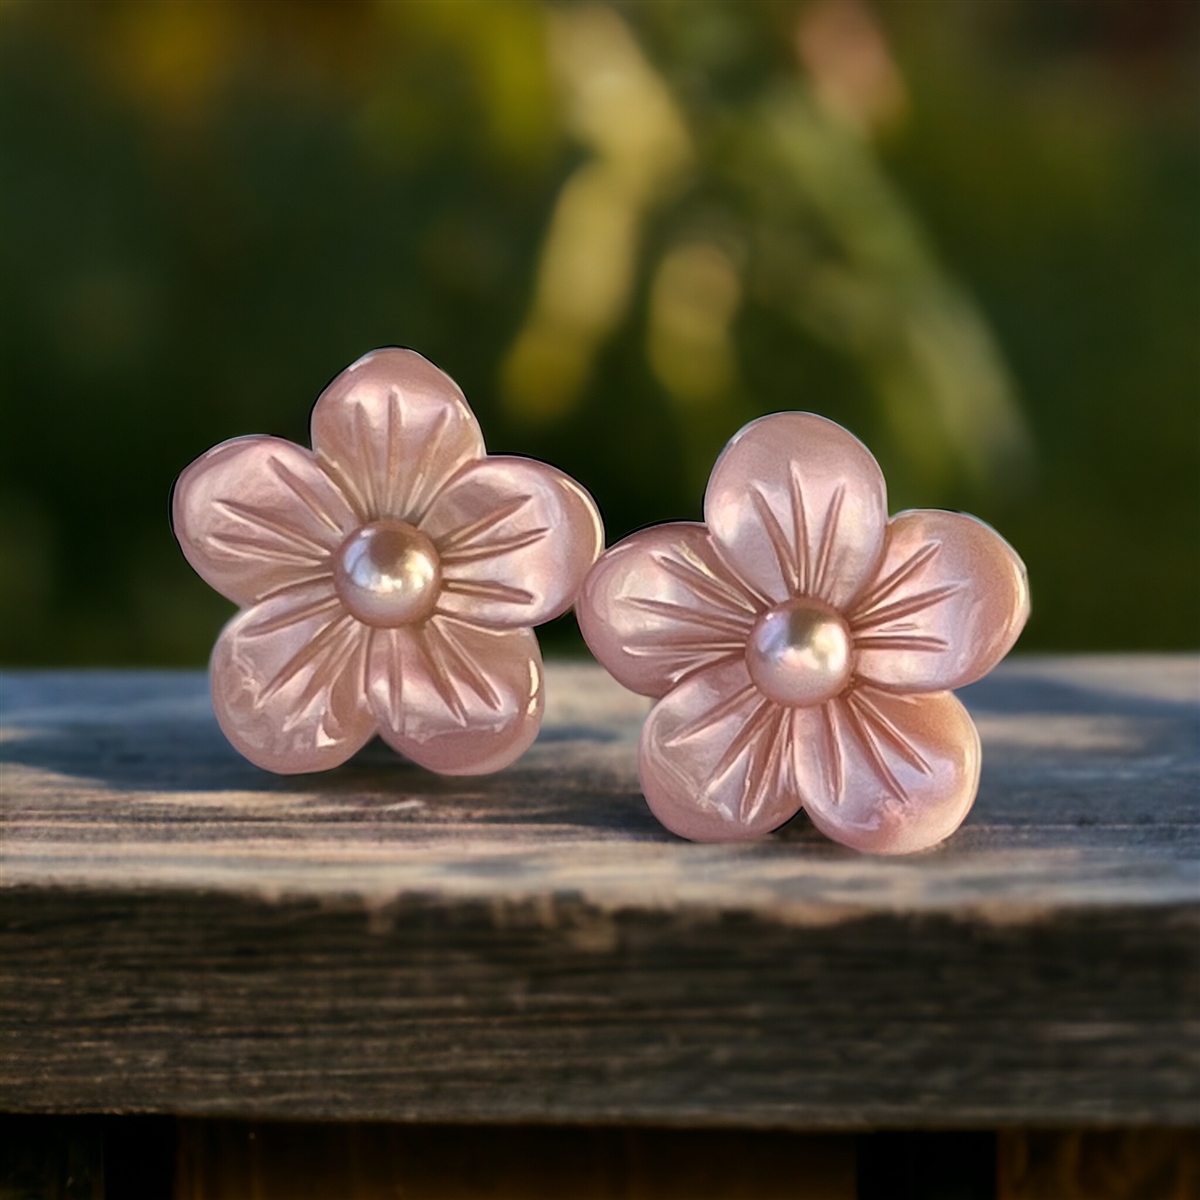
x=388 y=573
x=799 y=653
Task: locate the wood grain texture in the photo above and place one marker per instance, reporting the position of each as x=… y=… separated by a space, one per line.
x=184 y=933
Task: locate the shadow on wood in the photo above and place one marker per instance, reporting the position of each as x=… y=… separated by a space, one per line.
x=222 y=1160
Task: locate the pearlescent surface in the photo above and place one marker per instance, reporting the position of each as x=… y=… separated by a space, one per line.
x=799 y=653
x=388 y=573
x=388 y=579
x=800 y=646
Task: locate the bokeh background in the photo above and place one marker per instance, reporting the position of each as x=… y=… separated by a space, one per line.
x=969 y=230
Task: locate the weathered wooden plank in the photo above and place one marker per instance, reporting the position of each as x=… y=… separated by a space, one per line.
x=185 y=933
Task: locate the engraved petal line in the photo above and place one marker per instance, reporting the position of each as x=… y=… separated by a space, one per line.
x=755 y=751
x=745 y=738
x=486 y=589
x=354 y=496
x=835 y=764
x=464 y=535
x=390 y=443
x=312 y=651
x=242 y=546
x=476 y=679
x=784 y=775
x=693 y=573
x=441 y=679
x=339 y=655
x=685 y=660
x=349 y=488
x=489 y=550
x=363 y=440
x=781 y=776
x=715 y=622
x=790 y=777
x=395 y=673
x=777 y=538
x=800 y=531
x=891 y=733
x=764 y=778
x=258 y=520
x=273 y=625
x=886 y=587
x=907 y=607
x=871 y=748
x=364 y=680
x=671 y=647
x=303 y=492
x=417 y=504
x=297 y=585
x=727 y=706
x=824 y=556
x=899 y=641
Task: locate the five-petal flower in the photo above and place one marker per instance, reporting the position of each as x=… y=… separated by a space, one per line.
x=802 y=646
x=387 y=579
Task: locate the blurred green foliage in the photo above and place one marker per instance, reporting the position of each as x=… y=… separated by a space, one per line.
x=967 y=229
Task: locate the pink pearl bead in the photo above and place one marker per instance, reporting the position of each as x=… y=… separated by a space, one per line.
x=799 y=653
x=388 y=573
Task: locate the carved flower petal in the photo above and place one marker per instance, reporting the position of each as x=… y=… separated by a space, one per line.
x=393 y=429
x=885 y=773
x=661 y=605
x=456 y=698
x=950 y=599
x=287 y=681
x=516 y=537
x=257 y=513
x=715 y=758
x=798 y=506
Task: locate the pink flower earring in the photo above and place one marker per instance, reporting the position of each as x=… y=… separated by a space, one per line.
x=388 y=578
x=802 y=646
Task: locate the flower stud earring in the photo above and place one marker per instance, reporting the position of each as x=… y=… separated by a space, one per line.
x=802 y=646
x=388 y=579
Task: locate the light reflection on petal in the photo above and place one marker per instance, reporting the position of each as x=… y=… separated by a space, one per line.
x=257 y=513
x=393 y=429
x=884 y=773
x=287 y=681
x=798 y=506
x=716 y=758
x=949 y=601
x=456 y=698
x=661 y=605
x=516 y=538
